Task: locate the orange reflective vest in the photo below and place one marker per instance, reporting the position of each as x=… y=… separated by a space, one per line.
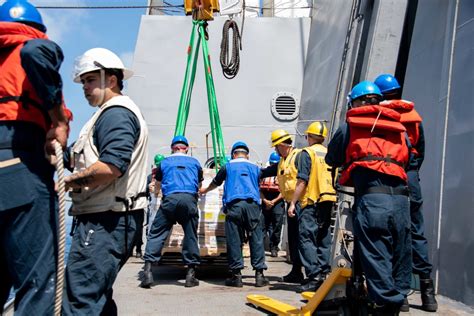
x=377 y=142
x=409 y=118
x=18 y=99
x=269 y=184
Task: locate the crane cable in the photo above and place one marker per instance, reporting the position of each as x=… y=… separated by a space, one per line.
x=62 y=229
x=231 y=64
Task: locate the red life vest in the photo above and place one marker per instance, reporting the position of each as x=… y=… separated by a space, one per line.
x=18 y=98
x=377 y=142
x=269 y=184
x=409 y=118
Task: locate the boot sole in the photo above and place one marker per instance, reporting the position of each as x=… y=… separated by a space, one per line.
x=261 y=285
x=191 y=284
x=405 y=309
x=145 y=286
x=291 y=281
x=430 y=308
x=235 y=285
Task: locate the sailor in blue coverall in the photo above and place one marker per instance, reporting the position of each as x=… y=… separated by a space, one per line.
x=30 y=119
x=179 y=176
x=243 y=214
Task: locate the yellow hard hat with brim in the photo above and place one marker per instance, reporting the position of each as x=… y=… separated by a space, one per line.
x=317 y=128
x=278 y=136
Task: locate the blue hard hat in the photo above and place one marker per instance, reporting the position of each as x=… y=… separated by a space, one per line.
x=274 y=158
x=364 y=88
x=21 y=11
x=239 y=145
x=179 y=139
x=387 y=83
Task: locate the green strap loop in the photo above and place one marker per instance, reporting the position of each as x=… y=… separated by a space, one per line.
x=186 y=92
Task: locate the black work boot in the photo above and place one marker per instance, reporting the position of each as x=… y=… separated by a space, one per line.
x=260 y=279
x=235 y=280
x=295 y=276
x=405 y=306
x=191 y=277
x=147 y=276
x=274 y=253
x=310 y=285
x=428 y=299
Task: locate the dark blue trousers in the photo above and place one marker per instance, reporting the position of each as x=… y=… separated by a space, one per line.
x=181 y=208
x=293 y=239
x=421 y=264
x=242 y=217
x=382 y=231
x=138 y=243
x=315 y=238
x=274 y=222
x=97 y=254
x=28 y=232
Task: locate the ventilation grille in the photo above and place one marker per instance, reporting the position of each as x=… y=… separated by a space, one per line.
x=285 y=106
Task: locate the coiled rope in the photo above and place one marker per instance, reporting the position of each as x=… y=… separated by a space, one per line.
x=231 y=64
x=62 y=229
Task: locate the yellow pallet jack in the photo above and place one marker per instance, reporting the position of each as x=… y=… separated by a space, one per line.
x=341 y=288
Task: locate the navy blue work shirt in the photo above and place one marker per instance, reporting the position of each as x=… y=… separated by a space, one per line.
x=41 y=60
x=303 y=165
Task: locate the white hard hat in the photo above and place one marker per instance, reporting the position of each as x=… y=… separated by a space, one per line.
x=96 y=59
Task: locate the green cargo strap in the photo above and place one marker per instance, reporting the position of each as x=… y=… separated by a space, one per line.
x=186 y=92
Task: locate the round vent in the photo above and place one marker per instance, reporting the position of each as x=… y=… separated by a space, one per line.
x=285 y=106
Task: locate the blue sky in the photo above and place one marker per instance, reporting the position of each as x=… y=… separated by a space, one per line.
x=77 y=30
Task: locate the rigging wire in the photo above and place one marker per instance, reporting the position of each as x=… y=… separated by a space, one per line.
x=169 y=6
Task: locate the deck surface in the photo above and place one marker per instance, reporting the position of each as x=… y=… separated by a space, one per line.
x=168 y=296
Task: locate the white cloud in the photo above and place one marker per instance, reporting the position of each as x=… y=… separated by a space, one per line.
x=63 y=24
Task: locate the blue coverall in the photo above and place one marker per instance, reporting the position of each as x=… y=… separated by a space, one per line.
x=179 y=206
x=381 y=226
x=28 y=202
x=98 y=245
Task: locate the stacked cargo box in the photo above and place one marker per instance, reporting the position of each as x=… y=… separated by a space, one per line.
x=211 y=228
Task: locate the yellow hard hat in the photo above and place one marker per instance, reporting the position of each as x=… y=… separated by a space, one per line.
x=279 y=136
x=317 y=128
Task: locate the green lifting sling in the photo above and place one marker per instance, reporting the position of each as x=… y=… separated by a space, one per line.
x=185 y=100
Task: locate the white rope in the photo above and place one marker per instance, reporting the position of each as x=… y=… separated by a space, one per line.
x=62 y=229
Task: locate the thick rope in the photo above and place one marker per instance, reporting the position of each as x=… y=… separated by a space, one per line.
x=62 y=229
x=230 y=65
